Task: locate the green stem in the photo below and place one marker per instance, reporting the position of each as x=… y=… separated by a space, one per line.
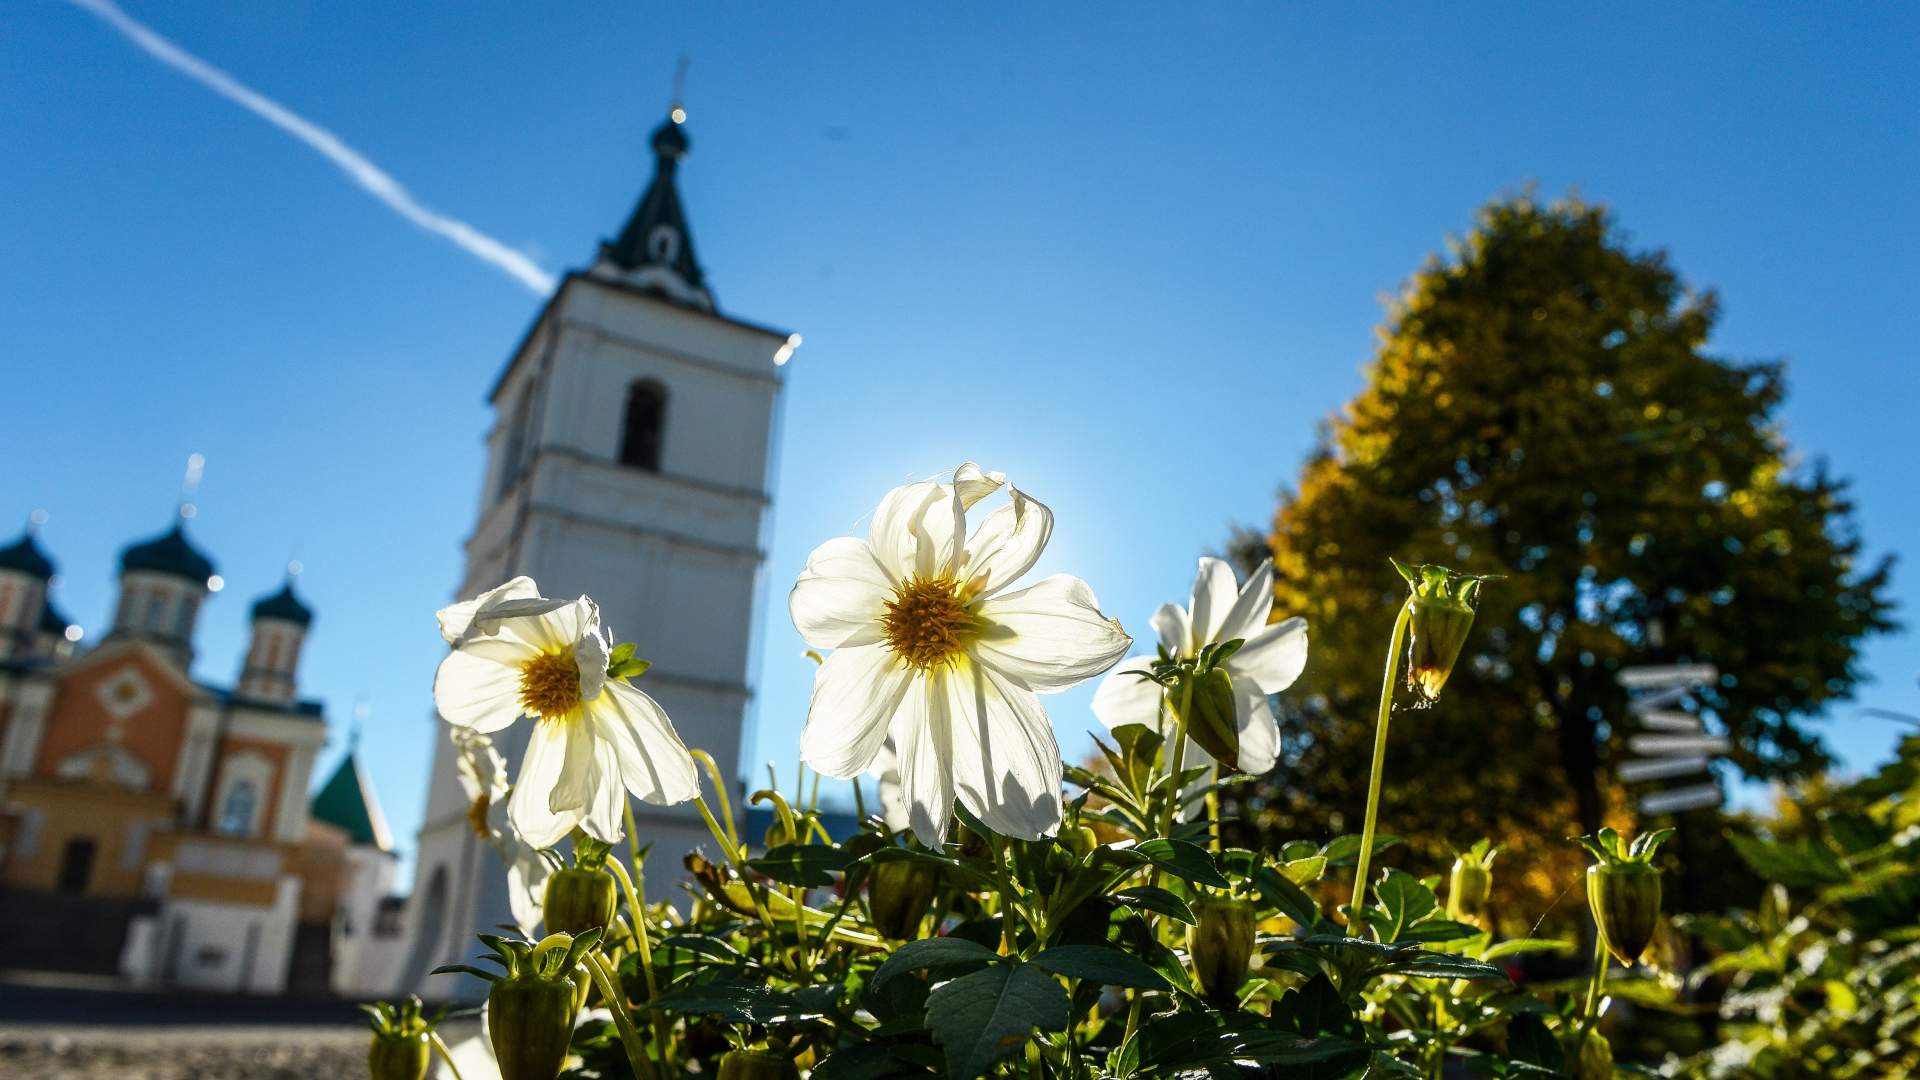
x=1379 y=763
x=622 y=1019
x=1590 y=1011
x=446 y=1055
x=1167 y=817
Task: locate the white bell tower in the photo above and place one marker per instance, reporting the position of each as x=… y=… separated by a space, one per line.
x=629 y=459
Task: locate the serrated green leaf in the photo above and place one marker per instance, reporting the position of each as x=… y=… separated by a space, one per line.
x=1403 y=901
x=1099 y=963
x=1184 y=860
x=940 y=952
x=809 y=865
x=986 y=1017
x=1160 y=901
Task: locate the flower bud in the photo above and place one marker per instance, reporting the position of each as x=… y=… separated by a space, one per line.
x=578 y=900
x=752 y=1065
x=899 y=892
x=1442 y=604
x=1625 y=899
x=1468 y=885
x=1213 y=723
x=1592 y=1059
x=1081 y=840
x=530 y=1020
x=398 y=1055
x=1220 y=944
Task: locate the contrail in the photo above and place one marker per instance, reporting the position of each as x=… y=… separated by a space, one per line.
x=371 y=178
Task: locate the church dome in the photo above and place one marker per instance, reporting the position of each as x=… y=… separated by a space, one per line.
x=24 y=556
x=283 y=605
x=168 y=553
x=51 y=621
x=670 y=139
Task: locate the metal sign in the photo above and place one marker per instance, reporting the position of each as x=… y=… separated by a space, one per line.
x=1674 y=743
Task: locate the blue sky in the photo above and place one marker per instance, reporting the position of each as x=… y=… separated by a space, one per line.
x=1115 y=251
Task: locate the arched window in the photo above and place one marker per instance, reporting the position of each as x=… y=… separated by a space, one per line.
x=236 y=813
x=646 y=420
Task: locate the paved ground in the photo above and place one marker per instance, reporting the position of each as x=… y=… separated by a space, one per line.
x=62 y=1028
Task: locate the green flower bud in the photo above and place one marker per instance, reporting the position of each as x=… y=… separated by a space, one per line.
x=1625 y=898
x=753 y=1065
x=530 y=1019
x=402 y=1041
x=1593 y=1060
x=578 y=900
x=1213 y=724
x=1081 y=840
x=899 y=892
x=1623 y=891
x=398 y=1057
x=1471 y=881
x=1442 y=604
x=1220 y=944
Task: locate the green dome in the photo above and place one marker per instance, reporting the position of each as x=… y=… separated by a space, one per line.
x=283 y=605
x=24 y=555
x=168 y=553
x=346 y=802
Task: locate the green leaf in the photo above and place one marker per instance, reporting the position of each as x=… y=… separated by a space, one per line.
x=1530 y=1043
x=1516 y=946
x=1151 y=898
x=1184 y=860
x=871 y=1061
x=1099 y=963
x=1433 y=931
x=1184 y=1041
x=985 y=1017
x=699 y=944
x=940 y=952
x=746 y=1003
x=1345 y=850
x=1404 y=901
x=1802 y=863
x=1304 y=871
x=809 y=865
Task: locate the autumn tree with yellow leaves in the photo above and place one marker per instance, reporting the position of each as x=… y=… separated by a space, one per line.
x=1543 y=406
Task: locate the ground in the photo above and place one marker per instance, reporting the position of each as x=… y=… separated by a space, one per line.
x=63 y=1028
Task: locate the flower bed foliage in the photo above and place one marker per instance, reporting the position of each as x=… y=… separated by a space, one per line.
x=1001 y=913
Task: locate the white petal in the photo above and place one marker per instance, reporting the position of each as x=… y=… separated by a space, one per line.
x=972 y=484
x=841 y=596
x=1050 y=635
x=527 y=889
x=529 y=808
x=912 y=533
x=607 y=803
x=1176 y=635
x=649 y=758
x=590 y=657
x=1259 y=731
x=479 y=616
x=924 y=735
x=557 y=630
x=1006 y=763
x=855 y=693
x=1249 y=613
x=574 y=787
x=478 y=685
x=481 y=768
x=1007 y=543
x=1126 y=698
x=1214 y=592
x=1274 y=657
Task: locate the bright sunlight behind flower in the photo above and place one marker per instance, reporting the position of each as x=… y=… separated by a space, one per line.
x=1269 y=661
x=517 y=653
x=930 y=648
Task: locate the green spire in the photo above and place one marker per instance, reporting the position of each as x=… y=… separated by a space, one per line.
x=347 y=802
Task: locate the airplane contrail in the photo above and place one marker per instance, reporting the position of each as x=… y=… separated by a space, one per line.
x=374 y=180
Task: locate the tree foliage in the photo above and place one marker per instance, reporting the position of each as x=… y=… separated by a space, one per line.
x=1543 y=406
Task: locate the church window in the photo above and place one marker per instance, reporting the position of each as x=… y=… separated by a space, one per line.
x=183 y=617
x=646 y=421
x=236 y=812
x=663 y=244
x=76 y=865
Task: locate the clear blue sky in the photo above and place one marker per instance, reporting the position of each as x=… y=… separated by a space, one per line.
x=1115 y=251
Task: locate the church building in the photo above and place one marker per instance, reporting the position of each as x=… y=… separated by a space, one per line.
x=629 y=459
x=158 y=827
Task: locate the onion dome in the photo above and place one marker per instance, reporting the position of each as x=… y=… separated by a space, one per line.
x=51 y=621
x=169 y=553
x=655 y=249
x=24 y=556
x=285 y=606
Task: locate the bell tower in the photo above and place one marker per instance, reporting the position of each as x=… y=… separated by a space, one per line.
x=629 y=459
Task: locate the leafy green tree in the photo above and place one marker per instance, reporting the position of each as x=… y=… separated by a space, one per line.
x=1543 y=406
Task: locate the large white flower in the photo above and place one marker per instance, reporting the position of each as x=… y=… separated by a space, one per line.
x=931 y=648
x=483 y=776
x=1268 y=663
x=594 y=738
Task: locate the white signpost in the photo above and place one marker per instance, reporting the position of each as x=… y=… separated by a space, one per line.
x=1674 y=742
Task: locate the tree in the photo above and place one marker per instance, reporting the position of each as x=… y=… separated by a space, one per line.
x=1542 y=406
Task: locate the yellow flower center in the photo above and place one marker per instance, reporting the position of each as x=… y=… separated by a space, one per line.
x=477 y=815
x=927 y=621
x=550 y=684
